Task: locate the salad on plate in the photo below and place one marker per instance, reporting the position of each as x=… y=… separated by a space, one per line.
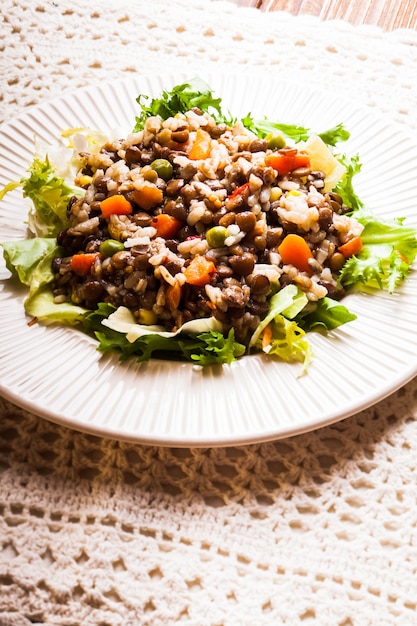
x=200 y=236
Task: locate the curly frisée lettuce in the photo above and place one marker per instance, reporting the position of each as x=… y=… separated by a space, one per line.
x=388 y=250
x=285 y=338
x=49 y=194
x=200 y=341
x=383 y=259
x=181 y=98
x=50 y=180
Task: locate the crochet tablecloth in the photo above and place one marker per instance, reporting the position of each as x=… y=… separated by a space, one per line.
x=318 y=529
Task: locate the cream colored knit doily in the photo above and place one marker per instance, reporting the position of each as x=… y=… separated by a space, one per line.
x=320 y=529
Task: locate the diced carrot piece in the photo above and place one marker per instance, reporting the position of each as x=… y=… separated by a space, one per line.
x=83 y=262
x=285 y=163
x=351 y=247
x=201 y=147
x=266 y=336
x=173 y=296
x=166 y=226
x=115 y=205
x=199 y=271
x=148 y=196
x=294 y=250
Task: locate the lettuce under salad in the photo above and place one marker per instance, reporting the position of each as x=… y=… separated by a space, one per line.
x=388 y=249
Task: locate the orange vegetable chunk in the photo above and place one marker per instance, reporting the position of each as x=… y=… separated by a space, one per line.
x=266 y=337
x=148 y=196
x=173 y=296
x=351 y=247
x=294 y=250
x=82 y=263
x=199 y=271
x=201 y=147
x=285 y=163
x=115 y=205
x=166 y=226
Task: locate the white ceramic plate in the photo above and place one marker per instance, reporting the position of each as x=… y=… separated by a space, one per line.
x=58 y=374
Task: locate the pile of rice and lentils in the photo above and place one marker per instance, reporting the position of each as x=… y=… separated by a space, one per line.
x=184 y=220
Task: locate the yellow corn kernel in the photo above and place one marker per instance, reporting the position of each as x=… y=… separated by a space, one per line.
x=84 y=180
x=146 y=317
x=215 y=200
x=275 y=195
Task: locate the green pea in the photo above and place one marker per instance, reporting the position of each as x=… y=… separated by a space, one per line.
x=216 y=236
x=110 y=247
x=275 y=141
x=163 y=168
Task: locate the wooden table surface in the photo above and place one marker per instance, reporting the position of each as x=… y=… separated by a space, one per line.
x=387 y=14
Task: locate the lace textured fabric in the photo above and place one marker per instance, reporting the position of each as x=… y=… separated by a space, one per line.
x=318 y=529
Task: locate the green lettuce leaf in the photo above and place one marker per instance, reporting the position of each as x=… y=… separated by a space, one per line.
x=41 y=306
x=263 y=127
x=345 y=187
x=335 y=135
x=212 y=348
x=388 y=250
x=288 y=340
x=50 y=195
x=204 y=348
x=181 y=98
x=9 y=187
x=30 y=259
x=196 y=93
x=327 y=314
x=289 y=301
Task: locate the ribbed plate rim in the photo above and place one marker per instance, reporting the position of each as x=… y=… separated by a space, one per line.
x=242 y=429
